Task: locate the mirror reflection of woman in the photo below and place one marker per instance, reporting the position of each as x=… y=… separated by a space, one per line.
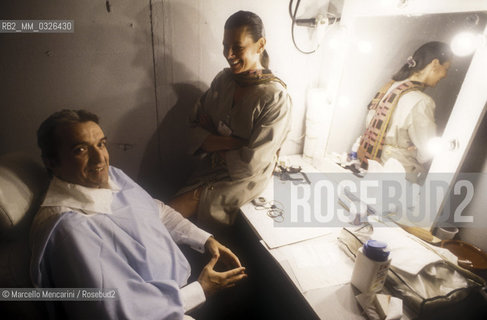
x=238 y=127
x=401 y=120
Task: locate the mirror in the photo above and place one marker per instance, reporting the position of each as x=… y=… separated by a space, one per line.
x=379 y=46
x=386 y=43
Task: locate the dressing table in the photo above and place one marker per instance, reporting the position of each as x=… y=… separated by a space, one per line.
x=310 y=257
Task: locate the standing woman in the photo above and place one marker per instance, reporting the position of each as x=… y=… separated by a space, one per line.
x=238 y=127
x=401 y=120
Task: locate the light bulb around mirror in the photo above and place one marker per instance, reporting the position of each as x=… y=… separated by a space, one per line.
x=464 y=43
x=436 y=145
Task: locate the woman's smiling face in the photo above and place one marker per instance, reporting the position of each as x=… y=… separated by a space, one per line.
x=240 y=50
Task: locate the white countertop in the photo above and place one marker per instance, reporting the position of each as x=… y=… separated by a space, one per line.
x=310 y=256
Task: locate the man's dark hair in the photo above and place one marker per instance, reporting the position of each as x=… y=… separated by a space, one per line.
x=46 y=134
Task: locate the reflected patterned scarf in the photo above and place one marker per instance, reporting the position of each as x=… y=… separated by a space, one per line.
x=372 y=141
x=254 y=77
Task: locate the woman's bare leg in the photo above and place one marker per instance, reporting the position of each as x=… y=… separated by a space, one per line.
x=187 y=203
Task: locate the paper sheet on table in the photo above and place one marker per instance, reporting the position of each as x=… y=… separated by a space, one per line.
x=313 y=264
x=277 y=236
x=403 y=248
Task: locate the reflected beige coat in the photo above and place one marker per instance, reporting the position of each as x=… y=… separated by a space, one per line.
x=261 y=117
x=411 y=128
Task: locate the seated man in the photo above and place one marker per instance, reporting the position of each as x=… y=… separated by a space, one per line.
x=98 y=229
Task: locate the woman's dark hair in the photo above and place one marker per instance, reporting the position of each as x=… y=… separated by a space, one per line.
x=422 y=57
x=255 y=28
x=46 y=134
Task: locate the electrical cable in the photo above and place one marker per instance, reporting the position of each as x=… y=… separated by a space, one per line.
x=291 y=9
x=293 y=18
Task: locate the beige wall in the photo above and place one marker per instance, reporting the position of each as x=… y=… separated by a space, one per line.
x=104 y=66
